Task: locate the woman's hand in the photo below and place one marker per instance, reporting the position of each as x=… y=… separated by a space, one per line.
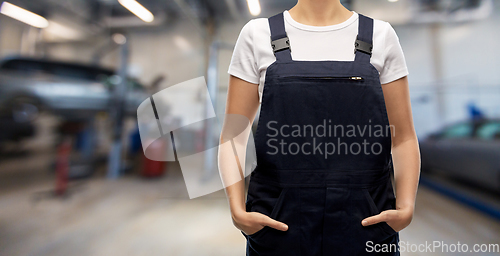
x=252 y=222
x=396 y=219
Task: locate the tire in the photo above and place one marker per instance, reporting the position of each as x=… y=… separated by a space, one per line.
x=24 y=109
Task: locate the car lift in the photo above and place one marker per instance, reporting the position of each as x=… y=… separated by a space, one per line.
x=68 y=130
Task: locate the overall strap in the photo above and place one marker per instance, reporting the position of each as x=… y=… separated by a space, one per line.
x=363 y=44
x=279 y=39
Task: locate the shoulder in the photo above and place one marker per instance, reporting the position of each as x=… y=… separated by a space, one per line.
x=254 y=32
x=381 y=28
x=384 y=34
x=254 y=28
x=257 y=26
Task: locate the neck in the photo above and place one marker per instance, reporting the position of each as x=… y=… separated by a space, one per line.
x=319 y=12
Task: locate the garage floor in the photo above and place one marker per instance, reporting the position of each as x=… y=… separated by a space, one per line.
x=137 y=216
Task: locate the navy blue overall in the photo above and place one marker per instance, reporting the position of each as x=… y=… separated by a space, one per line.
x=323 y=148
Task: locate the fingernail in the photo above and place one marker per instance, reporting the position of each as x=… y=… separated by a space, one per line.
x=285 y=226
x=364 y=222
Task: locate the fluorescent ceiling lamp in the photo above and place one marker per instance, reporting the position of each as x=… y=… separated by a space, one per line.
x=23 y=15
x=63 y=31
x=137 y=9
x=254 y=7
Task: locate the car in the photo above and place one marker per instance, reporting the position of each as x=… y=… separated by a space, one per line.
x=70 y=90
x=468 y=150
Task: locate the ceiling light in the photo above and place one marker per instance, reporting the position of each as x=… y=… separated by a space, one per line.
x=182 y=43
x=23 y=15
x=63 y=31
x=119 y=38
x=254 y=7
x=137 y=9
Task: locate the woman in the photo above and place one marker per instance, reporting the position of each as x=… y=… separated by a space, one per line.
x=335 y=119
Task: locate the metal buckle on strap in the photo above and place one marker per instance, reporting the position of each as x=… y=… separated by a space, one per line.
x=280 y=44
x=363 y=46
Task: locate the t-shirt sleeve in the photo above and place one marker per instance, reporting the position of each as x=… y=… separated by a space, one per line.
x=243 y=62
x=394 y=62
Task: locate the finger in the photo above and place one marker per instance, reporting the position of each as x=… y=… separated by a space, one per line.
x=275 y=224
x=374 y=219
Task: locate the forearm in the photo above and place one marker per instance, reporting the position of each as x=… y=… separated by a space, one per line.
x=406 y=161
x=236 y=197
x=232 y=161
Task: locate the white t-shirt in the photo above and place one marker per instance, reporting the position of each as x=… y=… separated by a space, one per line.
x=253 y=52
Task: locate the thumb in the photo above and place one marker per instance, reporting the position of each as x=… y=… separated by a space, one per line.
x=373 y=220
x=275 y=224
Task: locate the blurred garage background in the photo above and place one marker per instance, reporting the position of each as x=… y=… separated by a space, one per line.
x=73 y=176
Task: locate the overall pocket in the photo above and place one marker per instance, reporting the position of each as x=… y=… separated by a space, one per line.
x=268 y=206
x=375 y=210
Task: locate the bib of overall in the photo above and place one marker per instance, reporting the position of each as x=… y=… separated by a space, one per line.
x=309 y=108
